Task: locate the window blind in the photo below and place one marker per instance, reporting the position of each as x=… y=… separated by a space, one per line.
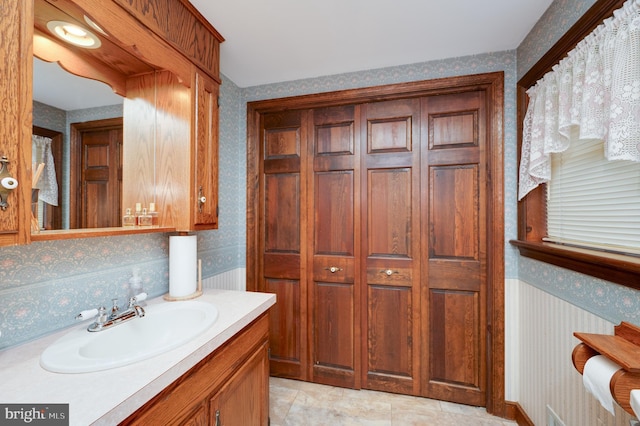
x=593 y=202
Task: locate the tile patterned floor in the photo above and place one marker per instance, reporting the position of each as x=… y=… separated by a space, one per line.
x=295 y=403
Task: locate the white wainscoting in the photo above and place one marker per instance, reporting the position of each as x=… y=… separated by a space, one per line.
x=539 y=373
x=230 y=280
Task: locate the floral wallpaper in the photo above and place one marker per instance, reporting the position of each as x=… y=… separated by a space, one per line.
x=558 y=18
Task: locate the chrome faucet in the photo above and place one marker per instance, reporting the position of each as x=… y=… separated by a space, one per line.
x=105 y=321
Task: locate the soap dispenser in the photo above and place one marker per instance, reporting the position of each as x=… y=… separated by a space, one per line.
x=135 y=284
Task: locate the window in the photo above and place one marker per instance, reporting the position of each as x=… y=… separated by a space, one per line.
x=532 y=210
x=593 y=202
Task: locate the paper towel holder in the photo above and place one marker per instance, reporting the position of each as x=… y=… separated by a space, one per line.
x=195 y=295
x=622 y=348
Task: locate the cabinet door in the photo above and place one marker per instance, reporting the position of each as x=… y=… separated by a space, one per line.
x=244 y=400
x=205 y=191
x=16 y=24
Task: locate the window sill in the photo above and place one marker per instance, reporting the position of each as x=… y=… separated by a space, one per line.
x=617 y=268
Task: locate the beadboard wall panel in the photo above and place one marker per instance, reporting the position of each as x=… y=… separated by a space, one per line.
x=230 y=280
x=546 y=375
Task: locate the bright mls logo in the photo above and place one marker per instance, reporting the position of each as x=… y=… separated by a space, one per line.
x=34 y=414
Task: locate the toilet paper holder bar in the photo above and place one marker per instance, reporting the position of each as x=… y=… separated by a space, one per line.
x=623 y=348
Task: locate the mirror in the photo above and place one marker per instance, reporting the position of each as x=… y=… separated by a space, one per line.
x=86 y=112
x=61 y=102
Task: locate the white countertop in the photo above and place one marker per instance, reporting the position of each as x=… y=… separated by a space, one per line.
x=108 y=397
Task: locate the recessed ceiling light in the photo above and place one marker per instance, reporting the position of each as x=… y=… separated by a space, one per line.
x=74 y=34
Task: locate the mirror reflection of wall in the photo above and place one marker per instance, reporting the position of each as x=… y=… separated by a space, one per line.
x=61 y=99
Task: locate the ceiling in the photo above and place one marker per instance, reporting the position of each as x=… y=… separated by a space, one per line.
x=283 y=40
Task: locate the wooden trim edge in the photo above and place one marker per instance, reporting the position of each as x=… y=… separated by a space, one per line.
x=619 y=269
x=516 y=412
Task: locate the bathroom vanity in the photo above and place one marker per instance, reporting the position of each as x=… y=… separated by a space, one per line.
x=219 y=376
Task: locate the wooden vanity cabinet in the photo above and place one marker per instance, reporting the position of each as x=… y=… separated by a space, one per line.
x=229 y=387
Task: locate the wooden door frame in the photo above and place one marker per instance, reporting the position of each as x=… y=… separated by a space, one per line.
x=75 y=162
x=493 y=85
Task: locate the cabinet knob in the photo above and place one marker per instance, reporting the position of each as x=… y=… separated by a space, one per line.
x=333 y=269
x=388 y=272
x=8 y=183
x=201 y=199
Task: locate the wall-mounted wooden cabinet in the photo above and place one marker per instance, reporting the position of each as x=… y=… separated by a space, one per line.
x=174 y=161
x=184 y=150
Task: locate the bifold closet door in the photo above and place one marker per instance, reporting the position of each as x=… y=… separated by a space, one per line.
x=283 y=245
x=390 y=264
x=335 y=235
x=454 y=171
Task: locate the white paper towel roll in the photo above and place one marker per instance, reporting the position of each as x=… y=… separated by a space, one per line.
x=596 y=377
x=183 y=265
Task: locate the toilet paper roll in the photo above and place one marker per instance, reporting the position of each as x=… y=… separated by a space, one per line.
x=183 y=265
x=597 y=375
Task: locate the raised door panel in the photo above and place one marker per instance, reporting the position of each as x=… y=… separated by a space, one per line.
x=391 y=246
x=282 y=241
x=244 y=401
x=334 y=184
x=454 y=179
x=286 y=335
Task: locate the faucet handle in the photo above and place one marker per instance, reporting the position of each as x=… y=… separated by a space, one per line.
x=114 y=308
x=87 y=314
x=102 y=315
x=137 y=298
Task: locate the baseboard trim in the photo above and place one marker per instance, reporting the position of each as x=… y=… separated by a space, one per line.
x=515 y=412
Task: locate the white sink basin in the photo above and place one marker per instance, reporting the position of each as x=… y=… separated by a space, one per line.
x=165 y=326
x=635 y=402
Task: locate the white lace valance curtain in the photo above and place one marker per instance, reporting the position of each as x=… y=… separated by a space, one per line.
x=47 y=184
x=593 y=93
